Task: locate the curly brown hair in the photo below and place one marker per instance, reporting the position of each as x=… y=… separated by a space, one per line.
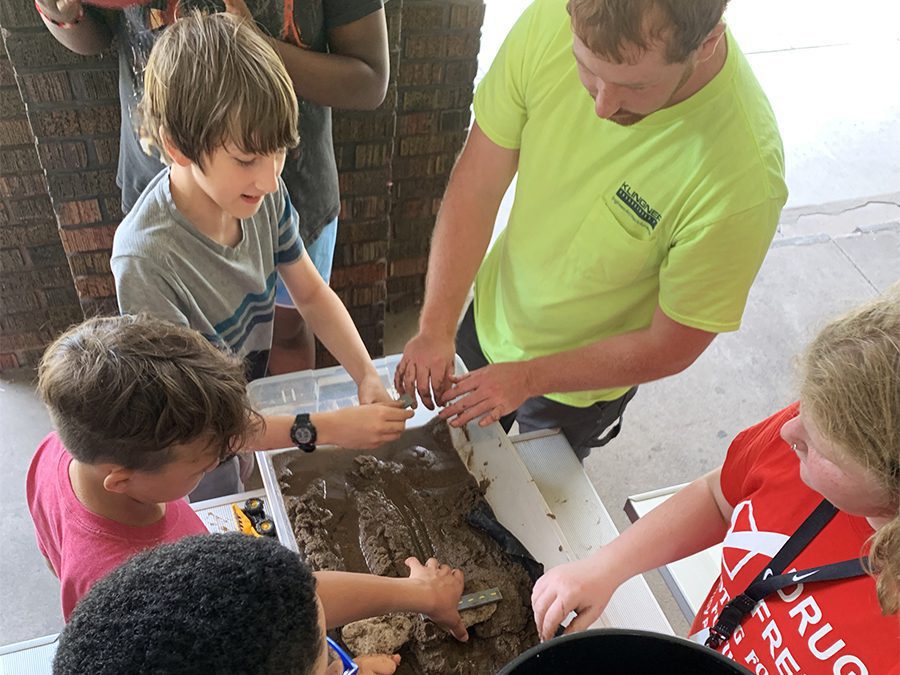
x=126 y=389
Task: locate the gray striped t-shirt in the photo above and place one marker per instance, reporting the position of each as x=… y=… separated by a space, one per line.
x=164 y=266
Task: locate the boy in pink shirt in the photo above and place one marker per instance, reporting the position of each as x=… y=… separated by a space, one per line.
x=143 y=410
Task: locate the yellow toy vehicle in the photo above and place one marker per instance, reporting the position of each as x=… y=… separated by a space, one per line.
x=251 y=518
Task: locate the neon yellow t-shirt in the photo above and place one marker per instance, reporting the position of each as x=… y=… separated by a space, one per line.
x=609 y=221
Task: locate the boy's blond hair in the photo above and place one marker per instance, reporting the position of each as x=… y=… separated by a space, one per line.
x=213 y=79
x=850 y=385
x=609 y=27
x=125 y=390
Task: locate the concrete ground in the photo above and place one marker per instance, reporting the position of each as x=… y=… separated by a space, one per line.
x=823 y=67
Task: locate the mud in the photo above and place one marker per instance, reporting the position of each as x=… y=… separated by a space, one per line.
x=367 y=511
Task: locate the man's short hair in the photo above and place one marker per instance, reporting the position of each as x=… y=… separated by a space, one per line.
x=213 y=79
x=609 y=27
x=215 y=603
x=125 y=389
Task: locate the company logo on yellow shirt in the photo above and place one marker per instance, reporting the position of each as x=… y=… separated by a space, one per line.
x=638 y=205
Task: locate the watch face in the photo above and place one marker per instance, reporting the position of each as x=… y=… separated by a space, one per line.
x=302 y=435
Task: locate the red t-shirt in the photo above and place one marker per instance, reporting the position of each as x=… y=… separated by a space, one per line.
x=80 y=545
x=833 y=627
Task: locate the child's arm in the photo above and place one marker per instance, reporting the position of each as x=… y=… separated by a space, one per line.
x=331 y=323
x=89 y=36
x=432 y=589
x=361 y=427
x=377 y=664
x=691 y=520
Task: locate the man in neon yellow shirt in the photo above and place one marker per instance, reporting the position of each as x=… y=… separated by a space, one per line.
x=642 y=214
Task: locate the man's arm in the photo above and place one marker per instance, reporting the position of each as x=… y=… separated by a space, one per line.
x=91 y=35
x=462 y=233
x=432 y=589
x=353 y=74
x=693 y=519
x=665 y=348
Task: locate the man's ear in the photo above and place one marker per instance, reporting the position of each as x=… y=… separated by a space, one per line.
x=708 y=47
x=118 y=479
x=176 y=155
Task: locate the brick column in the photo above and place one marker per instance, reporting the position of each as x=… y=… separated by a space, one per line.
x=37 y=295
x=437 y=64
x=72 y=103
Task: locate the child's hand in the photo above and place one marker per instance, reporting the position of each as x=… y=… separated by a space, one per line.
x=371 y=390
x=581 y=586
x=362 y=427
x=377 y=664
x=445 y=586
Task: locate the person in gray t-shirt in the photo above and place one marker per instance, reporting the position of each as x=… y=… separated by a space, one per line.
x=207 y=238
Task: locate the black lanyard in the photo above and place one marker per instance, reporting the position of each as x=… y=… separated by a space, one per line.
x=771 y=578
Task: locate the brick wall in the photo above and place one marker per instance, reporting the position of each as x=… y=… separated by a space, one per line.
x=72 y=103
x=37 y=295
x=437 y=63
x=393 y=162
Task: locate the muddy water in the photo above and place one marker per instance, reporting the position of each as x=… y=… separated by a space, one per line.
x=367 y=511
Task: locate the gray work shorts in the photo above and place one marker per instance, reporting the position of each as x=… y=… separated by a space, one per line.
x=585 y=428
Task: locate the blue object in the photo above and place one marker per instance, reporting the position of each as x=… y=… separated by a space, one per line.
x=350 y=667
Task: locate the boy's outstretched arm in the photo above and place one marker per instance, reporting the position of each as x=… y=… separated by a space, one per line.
x=89 y=36
x=330 y=321
x=361 y=427
x=431 y=589
x=688 y=522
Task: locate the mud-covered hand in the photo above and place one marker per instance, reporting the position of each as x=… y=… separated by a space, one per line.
x=238 y=8
x=371 y=390
x=377 y=664
x=446 y=586
x=61 y=11
x=362 y=427
x=426 y=367
x=581 y=587
x=488 y=393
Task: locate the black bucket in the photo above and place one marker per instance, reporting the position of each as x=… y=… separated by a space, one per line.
x=613 y=651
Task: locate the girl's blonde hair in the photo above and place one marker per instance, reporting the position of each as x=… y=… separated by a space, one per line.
x=213 y=79
x=850 y=385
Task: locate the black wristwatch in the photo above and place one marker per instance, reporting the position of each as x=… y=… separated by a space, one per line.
x=303 y=433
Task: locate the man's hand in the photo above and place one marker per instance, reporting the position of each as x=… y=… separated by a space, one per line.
x=427 y=367
x=63 y=11
x=446 y=587
x=362 y=427
x=489 y=393
x=377 y=664
x=371 y=390
x=581 y=587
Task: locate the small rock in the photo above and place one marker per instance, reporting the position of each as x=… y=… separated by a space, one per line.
x=378 y=635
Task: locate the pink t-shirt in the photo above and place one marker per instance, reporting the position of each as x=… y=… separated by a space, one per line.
x=81 y=546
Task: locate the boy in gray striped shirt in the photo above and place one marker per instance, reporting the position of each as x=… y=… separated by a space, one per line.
x=206 y=239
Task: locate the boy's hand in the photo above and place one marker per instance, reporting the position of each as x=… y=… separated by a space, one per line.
x=371 y=390
x=362 y=427
x=446 y=587
x=580 y=586
x=63 y=11
x=377 y=664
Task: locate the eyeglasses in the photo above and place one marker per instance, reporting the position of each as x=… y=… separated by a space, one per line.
x=350 y=668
